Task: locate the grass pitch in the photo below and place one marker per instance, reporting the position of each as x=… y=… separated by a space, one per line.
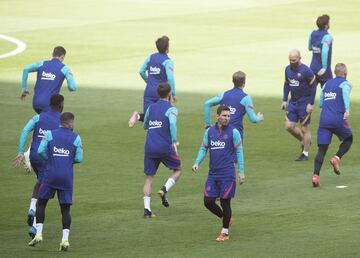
x=277 y=212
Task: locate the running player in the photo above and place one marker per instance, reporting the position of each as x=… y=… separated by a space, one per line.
x=320 y=43
x=238 y=101
x=39 y=124
x=157 y=68
x=50 y=76
x=335 y=103
x=160 y=146
x=61 y=148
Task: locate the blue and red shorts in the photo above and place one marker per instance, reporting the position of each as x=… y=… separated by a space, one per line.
x=151 y=164
x=342 y=131
x=223 y=188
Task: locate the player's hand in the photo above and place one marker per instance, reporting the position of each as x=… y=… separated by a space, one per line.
x=175 y=146
x=173 y=99
x=195 y=168
x=23 y=94
x=260 y=116
x=19 y=160
x=284 y=105
x=321 y=72
x=241 y=178
x=346 y=116
x=309 y=108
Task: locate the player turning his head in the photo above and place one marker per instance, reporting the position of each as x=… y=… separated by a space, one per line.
x=335 y=103
x=301 y=83
x=158 y=68
x=224 y=144
x=320 y=43
x=160 y=146
x=61 y=148
x=50 y=76
x=238 y=101
x=39 y=124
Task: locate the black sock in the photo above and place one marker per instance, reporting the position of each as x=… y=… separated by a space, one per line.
x=344 y=146
x=40 y=210
x=319 y=159
x=66 y=217
x=210 y=204
x=225 y=204
x=141 y=117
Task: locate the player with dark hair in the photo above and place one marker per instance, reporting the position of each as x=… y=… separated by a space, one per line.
x=160 y=146
x=225 y=146
x=61 y=148
x=301 y=83
x=335 y=103
x=157 y=68
x=39 y=124
x=238 y=101
x=320 y=43
x=50 y=76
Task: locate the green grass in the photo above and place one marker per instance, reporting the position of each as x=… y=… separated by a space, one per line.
x=277 y=212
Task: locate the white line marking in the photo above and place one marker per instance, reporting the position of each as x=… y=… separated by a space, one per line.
x=21 y=46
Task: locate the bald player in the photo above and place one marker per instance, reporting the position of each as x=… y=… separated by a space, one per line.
x=300 y=82
x=335 y=104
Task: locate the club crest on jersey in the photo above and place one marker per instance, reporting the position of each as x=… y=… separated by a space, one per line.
x=48 y=76
x=42 y=133
x=154 y=70
x=329 y=95
x=232 y=110
x=294 y=83
x=298 y=75
x=226 y=136
x=155 y=124
x=217 y=145
x=61 y=152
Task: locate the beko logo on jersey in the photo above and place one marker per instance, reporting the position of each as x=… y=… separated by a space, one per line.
x=316 y=50
x=232 y=110
x=48 y=76
x=154 y=70
x=155 y=124
x=293 y=83
x=61 y=152
x=217 y=145
x=329 y=95
x=42 y=132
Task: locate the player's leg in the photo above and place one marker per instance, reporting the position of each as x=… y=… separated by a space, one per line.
x=226 y=208
x=40 y=217
x=324 y=136
x=293 y=130
x=66 y=223
x=172 y=162
x=345 y=135
x=149 y=179
x=136 y=116
x=151 y=166
x=211 y=205
x=65 y=201
x=344 y=147
x=227 y=191
x=211 y=193
x=306 y=143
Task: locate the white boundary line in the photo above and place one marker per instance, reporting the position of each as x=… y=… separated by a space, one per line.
x=21 y=46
